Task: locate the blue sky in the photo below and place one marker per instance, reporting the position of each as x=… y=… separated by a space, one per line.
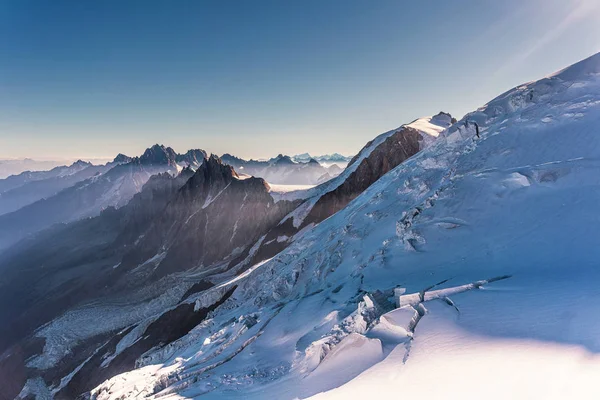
x=257 y=78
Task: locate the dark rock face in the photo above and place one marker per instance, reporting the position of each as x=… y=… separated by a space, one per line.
x=398 y=147
x=158 y=155
x=67 y=264
x=193 y=157
x=12 y=374
x=283 y=160
x=215 y=212
x=198 y=220
x=122 y=159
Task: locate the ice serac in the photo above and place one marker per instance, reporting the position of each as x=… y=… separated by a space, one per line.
x=492 y=231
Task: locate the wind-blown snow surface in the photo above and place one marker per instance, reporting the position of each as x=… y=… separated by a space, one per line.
x=521 y=201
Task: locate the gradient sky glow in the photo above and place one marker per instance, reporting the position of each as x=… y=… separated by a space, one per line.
x=257 y=78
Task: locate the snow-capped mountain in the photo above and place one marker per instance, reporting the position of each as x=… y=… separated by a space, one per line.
x=444 y=249
x=283 y=170
x=326 y=159
x=491 y=231
x=82 y=190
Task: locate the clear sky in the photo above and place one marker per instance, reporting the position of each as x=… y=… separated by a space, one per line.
x=257 y=78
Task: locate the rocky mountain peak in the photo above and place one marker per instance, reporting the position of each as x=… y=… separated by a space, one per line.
x=122 y=159
x=443 y=116
x=187 y=172
x=159 y=155
x=283 y=160
x=212 y=173
x=81 y=163
x=192 y=157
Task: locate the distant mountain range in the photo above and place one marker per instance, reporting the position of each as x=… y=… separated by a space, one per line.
x=20 y=190
x=10 y=167
x=327 y=159
x=284 y=170
x=32 y=201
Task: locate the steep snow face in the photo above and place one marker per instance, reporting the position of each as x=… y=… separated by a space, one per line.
x=518 y=204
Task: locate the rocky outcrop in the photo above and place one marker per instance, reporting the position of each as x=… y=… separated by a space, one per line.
x=193 y=157
x=122 y=159
x=401 y=145
x=158 y=155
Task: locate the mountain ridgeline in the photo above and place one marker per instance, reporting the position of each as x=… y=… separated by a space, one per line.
x=38 y=200
x=156 y=229
x=285 y=170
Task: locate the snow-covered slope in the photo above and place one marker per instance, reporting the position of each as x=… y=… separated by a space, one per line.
x=506 y=223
